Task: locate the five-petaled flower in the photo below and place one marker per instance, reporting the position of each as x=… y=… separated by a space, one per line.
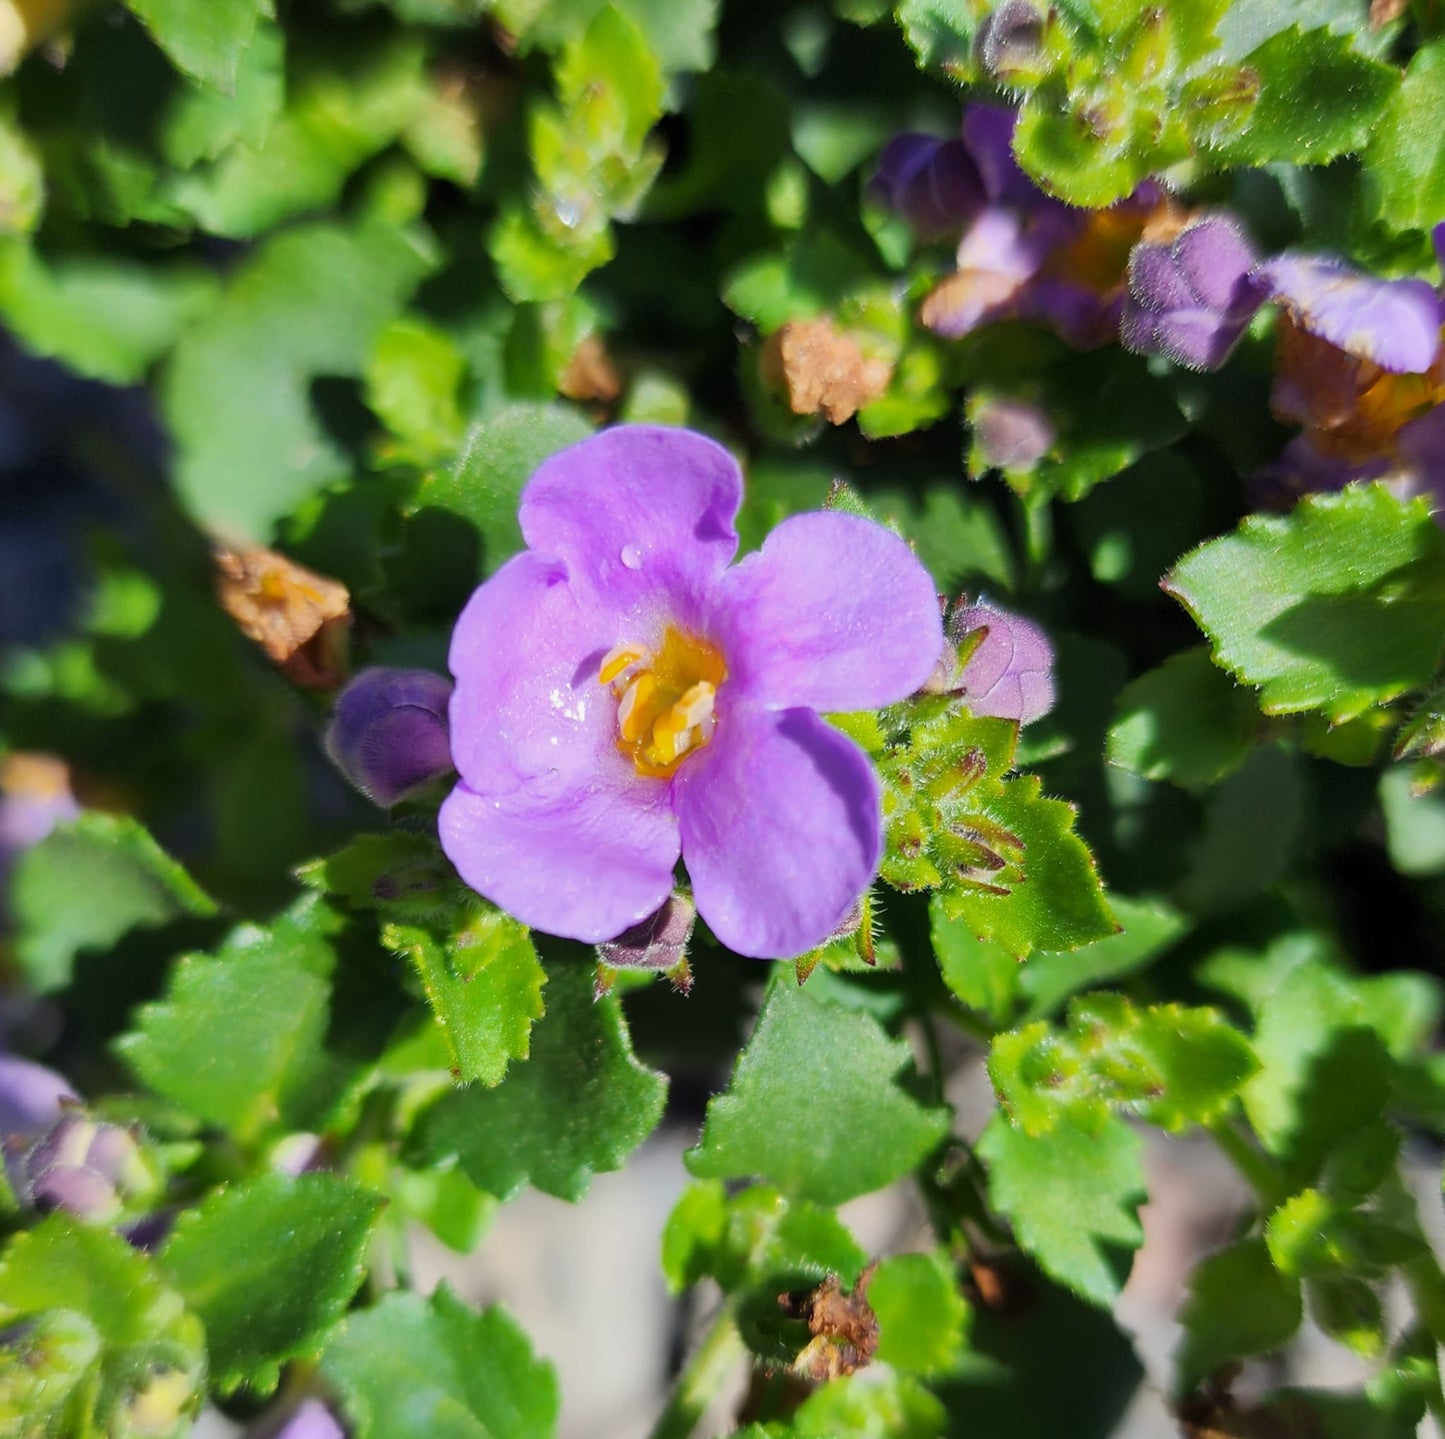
x=624 y=694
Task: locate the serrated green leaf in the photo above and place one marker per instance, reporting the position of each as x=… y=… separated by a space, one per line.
x=812 y=275
x=204 y=122
x=263 y=1302
x=577 y=1106
x=403 y=875
x=1239 y=1305
x=1405 y=157
x=1184 y=721
x=102 y=1329
x=1072 y=1198
x=129 y=883
x=1310 y=1235
x=1171 y=1065
x=1318 y=97
x=941 y=33
x=484 y=985
x=310 y=302
x=239 y=1038
x=205 y=41
x=813 y=1104
x=1337 y=607
x=922 y=1318
x=414 y=1368
x=500 y=456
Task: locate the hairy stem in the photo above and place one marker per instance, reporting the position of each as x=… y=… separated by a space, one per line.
x=712 y=1364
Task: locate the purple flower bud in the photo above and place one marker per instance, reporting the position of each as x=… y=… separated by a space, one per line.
x=1008 y=669
x=389 y=734
x=931 y=183
x=1190 y=300
x=30 y=1097
x=1010 y=434
x=1011 y=39
x=89 y=1169
x=659 y=942
x=1394 y=323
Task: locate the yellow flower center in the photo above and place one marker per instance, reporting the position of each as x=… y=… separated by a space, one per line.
x=664 y=699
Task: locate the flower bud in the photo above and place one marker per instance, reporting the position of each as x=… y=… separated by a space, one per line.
x=659 y=942
x=1007 y=669
x=1191 y=299
x=1010 y=43
x=389 y=734
x=932 y=183
x=88 y=1168
x=1009 y=434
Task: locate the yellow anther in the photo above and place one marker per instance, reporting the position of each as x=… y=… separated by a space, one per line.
x=666 y=698
x=619 y=659
x=635 y=714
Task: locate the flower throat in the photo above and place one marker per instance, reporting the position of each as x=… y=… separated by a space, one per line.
x=664 y=699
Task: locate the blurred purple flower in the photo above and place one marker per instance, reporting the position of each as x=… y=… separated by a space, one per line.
x=1191 y=299
x=1001 y=664
x=88 y=1168
x=35 y=796
x=1360 y=367
x=1009 y=433
x=388 y=735
x=623 y=696
x=30 y=1097
x=1025 y=256
x=311 y=1419
x=931 y=183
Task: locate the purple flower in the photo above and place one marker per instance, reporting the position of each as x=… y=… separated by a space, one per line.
x=87 y=1168
x=1001 y=665
x=30 y=1097
x=1009 y=434
x=389 y=733
x=624 y=696
x=311 y=1419
x=1190 y=300
x=931 y=183
x=1395 y=324
x=1027 y=256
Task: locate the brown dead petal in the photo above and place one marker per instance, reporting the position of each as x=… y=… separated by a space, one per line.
x=822 y=371
x=843 y=1325
x=590 y=376
x=297 y=616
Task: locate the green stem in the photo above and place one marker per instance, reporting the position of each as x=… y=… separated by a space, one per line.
x=1038 y=518
x=1258 y=1170
x=711 y=1366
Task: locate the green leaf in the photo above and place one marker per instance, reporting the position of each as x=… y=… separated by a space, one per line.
x=264 y=1302
x=1337 y=607
x=105 y=1340
x=501 y=454
x=107 y=318
x=484 y=985
x=403 y=875
x=578 y=1106
x=412 y=382
x=1185 y=721
x=813 y=1104
x=129 y=883
x=941 y=33
x=758 y=1237
x=1318 y=98
x=922 y=1319
x=311 y=302
x=1072 y=1198
x=812 y=275
x=239 y=1038
x=204 y=123
x=414 y=1368
x=1414 y=823
x=887 y=1407
x=1239 y=1304
x=1311 y=1235
x=206 y=41
x=1171 y=1065
x=1405 y=158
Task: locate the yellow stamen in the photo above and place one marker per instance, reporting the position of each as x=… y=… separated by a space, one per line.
x=666 y=699
x=619 y=659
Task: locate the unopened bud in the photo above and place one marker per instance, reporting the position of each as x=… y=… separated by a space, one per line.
x=1007 y=672
x=659 y=942
x=1010 y=42
x=87 y=1168
x=1009 y=434
x=389 y=734
x=934 y=184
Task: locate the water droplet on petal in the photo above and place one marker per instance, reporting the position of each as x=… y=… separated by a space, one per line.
x=632 y=557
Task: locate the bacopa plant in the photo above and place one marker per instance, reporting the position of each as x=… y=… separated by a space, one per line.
x=857 y=588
